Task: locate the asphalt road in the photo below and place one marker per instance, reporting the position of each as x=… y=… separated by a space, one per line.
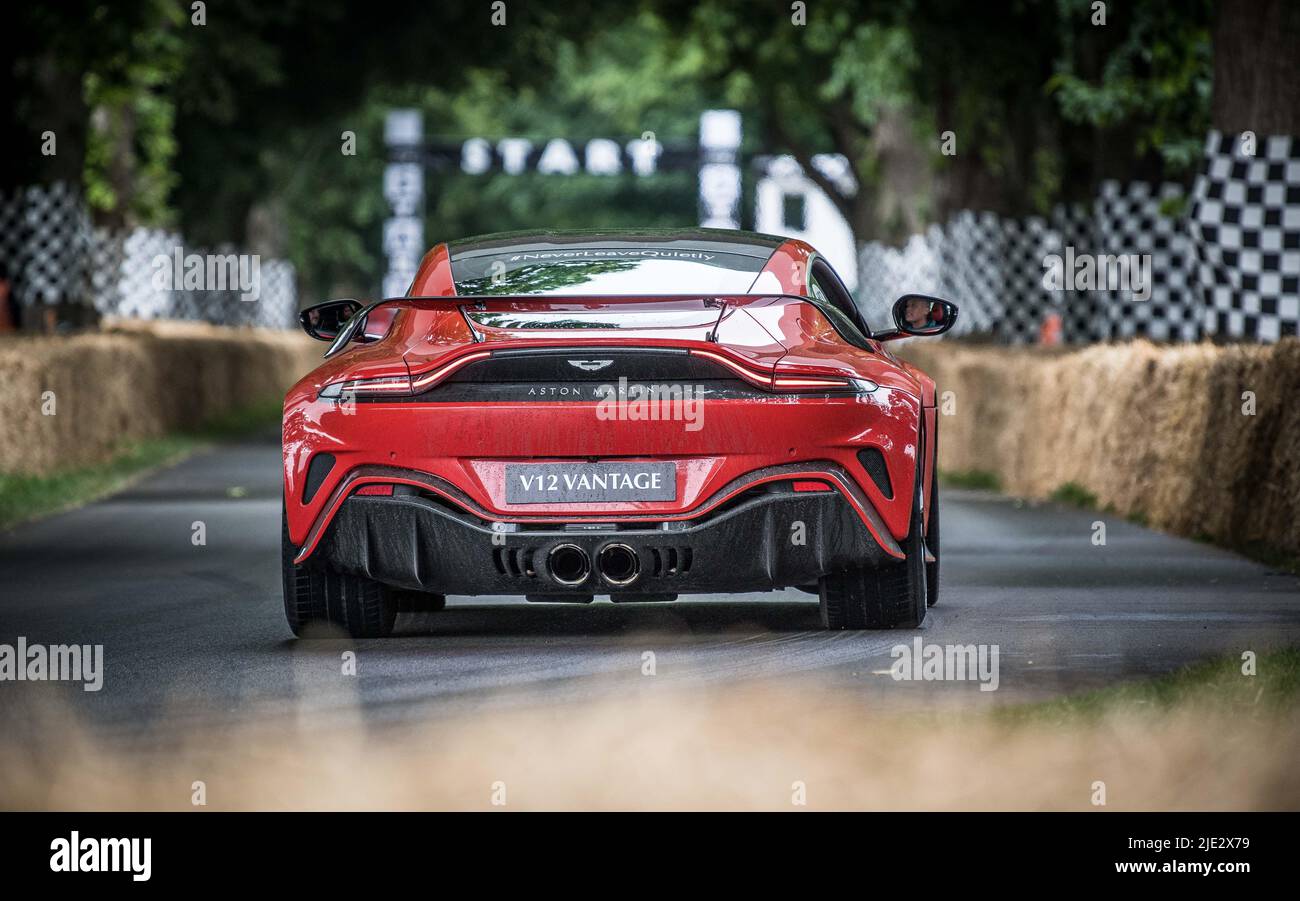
x=198 y=632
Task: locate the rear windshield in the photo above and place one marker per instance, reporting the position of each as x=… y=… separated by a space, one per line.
x=606 y=270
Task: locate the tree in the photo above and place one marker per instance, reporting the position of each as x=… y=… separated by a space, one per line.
x=814 y=79
x=1138 y=87
x=628 y=78
x=880 y=83
x=1257 y=67
x=51 y=51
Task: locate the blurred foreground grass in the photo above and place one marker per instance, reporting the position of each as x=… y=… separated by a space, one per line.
x=24 y=497
x=1223 y=685
x=1206 y=738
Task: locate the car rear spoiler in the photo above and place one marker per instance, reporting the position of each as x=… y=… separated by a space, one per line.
x=533 y=304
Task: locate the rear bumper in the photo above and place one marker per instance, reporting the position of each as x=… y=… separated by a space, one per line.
x=769 y=536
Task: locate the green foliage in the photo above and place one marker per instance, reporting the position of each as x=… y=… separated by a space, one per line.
x=631 y=78
x=212 y=127
x=1175 y=207
x=977 y=479
x=871 y=63
x=815 y=88
x=131 y=143
x=1075 y=495
x=1157 y=79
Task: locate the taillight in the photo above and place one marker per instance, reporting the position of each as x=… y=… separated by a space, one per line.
x=427 y=380
x=386 y=386
x=397 y=385
x=822 y=383
x=791 y=379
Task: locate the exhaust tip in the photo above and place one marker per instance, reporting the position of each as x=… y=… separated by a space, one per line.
x=619 y=564
x=569 y=564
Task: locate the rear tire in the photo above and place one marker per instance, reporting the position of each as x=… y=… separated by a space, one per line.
x=361 y=607
x=419 y=601
x=932 y=544
x=892 y=596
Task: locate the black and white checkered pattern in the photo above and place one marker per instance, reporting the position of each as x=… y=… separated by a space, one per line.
x=916 y=264
x=1084 y=316
x=1228 y=266
x=963 y=248
x=1245 y=231
x=1025 y=243
x=993 y=268
x=44 y=241
x=1135 y=220
x=53 y=256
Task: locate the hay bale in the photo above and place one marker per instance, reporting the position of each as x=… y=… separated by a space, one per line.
x=132 y=383
x=1160 y=433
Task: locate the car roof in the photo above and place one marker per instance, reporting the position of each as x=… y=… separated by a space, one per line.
x=720 y=240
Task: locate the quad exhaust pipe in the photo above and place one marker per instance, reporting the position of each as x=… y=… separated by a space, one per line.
x=618 y=564
x=569 y=564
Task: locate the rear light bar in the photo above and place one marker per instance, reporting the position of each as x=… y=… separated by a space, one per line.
x=388 y=385
x=429 y=379
x=397 y=385
x=406 y=385
x=789 y=382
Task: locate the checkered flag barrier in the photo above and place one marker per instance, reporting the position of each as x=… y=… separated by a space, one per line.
x=890 y=272
x=134 y=289
x=1244 y=227
x=964 y=249
x=1140 y=220
x=991 y=266
x=1227 y=264
x=1084 y=315
x=44 y=242
x=52 y=255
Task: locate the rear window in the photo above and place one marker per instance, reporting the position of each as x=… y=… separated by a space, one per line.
x=606 y=270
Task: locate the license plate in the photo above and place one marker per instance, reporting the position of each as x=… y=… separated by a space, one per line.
x=585 y=483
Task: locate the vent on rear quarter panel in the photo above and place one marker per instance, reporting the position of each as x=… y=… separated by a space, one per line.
x=320 y=467
x=873 y=461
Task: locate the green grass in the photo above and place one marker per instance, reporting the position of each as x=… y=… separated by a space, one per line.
x=1284 y=560
x=240 y=422
x=1214 y=684
x=24 y=497
x=1075 y=495
x=973 y=478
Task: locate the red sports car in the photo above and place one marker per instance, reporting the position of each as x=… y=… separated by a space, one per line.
x=634 y=414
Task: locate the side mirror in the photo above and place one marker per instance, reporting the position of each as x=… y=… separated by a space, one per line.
x=324 y=321
x=920 y=314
